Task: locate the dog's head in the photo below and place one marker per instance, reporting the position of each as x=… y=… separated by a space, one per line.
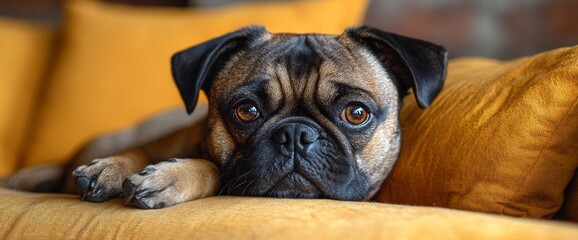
x=307 y=115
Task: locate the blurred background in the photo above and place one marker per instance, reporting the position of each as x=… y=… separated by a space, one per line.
x=489 y=28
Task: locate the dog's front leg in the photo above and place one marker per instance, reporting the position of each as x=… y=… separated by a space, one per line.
x=171 y=182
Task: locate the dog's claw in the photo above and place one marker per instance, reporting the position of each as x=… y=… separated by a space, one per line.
x=139 y=204
x=146 y=171
x=82 y=186
x=133 y=197
x=89 y=191
x=92 y=183
x=86 y=188
x=142 y=194
x=98 y=191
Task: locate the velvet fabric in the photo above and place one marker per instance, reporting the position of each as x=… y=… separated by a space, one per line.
x=57 y=216
x=502 y=137
x=25 y=54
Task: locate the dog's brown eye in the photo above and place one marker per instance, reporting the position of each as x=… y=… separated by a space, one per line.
x=247 y=112
x=354 y=114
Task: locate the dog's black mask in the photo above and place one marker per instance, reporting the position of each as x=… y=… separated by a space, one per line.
x=295 y=158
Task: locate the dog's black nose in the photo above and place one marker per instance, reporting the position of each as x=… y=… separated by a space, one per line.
x=295 y=135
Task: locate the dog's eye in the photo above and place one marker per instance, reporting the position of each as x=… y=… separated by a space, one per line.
x=247 y=112
x=355 y=114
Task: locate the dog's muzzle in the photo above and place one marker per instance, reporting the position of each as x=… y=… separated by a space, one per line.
x=296 y=158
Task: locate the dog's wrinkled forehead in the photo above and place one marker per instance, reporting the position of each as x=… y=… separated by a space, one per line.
x=289 y=67
x=361 y=55
x=300 y=54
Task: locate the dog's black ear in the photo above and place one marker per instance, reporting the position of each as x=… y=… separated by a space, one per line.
x=194 y=68
x=417 y=64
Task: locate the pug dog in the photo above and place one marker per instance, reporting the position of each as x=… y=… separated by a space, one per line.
x=288 y=115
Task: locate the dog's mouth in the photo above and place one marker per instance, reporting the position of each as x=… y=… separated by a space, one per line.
x=254 y=178
x=309 y=179
x=293 y=185
x=290 y=185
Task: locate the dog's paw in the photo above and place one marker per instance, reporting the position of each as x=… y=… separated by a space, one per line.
x=101 y=180
x=171 y=182
x=155 y=186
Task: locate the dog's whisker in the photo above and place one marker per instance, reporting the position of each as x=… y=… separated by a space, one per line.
x=241 y=184
x=248 y=184
x=234 y=182
x=226 y=185
x=238 y=185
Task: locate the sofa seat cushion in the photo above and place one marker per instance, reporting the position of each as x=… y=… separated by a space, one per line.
x=57 y=216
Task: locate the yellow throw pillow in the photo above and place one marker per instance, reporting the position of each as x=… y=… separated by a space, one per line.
x=114 y=67
x=502 y=137
x=24 y=53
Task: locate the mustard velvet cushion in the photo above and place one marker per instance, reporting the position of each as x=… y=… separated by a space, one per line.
x=114 y=68
x=24 y=55
x=57 y=216
x=502 y=137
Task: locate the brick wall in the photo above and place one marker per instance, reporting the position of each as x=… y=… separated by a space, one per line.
x=493 y=28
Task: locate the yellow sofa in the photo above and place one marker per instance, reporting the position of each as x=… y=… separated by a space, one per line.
x=499 y=146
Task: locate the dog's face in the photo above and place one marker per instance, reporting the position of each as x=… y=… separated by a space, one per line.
x=307 y=116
